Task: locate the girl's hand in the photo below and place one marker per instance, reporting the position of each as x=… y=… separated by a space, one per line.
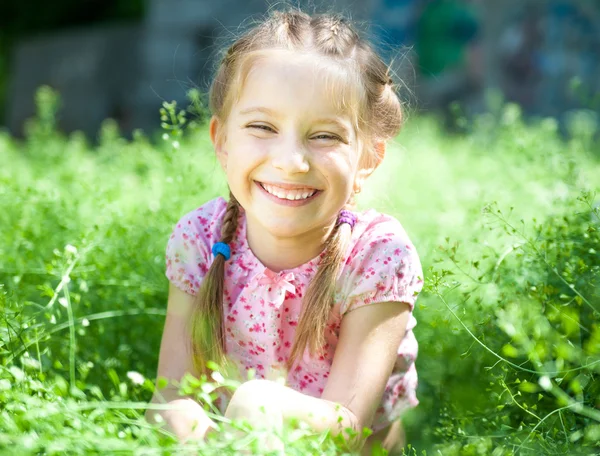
x=253 y=402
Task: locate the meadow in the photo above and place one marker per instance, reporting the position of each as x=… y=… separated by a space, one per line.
x=505 y=217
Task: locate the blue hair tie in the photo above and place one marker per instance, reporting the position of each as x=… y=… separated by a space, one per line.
x=221 y=248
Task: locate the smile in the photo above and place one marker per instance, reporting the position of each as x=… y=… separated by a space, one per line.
x=294 y=194
x=289 y=196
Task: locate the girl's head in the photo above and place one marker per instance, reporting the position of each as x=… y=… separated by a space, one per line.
x=302 y=101
x=308 y=69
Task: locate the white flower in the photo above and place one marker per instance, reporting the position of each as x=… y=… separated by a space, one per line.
x=176 y=144
x=85 y=322
x=70 y=249
x=165 y=136
x=545 y=382
x=63 y=302
x=135 y=377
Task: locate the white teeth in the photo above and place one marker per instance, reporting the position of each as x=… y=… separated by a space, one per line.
x=288 y=194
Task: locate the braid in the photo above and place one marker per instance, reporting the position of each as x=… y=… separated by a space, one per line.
x=230 y=220
x=319 y=299
x=207 y=331
x=333 y=35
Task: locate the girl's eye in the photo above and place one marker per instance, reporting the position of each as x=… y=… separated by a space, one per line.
x=327 y=137
x=261 y=127
x=323 y=137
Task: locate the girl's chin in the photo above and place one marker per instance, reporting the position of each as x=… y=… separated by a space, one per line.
x=290 y=226
x=283 y=230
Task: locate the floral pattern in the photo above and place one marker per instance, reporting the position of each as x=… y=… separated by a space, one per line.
x=261 y=308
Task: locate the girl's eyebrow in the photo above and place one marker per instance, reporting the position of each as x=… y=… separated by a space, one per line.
x=260 y=109
x=331 y=121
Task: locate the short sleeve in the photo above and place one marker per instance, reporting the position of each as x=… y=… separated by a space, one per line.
x=188 y=254
x=383 y=266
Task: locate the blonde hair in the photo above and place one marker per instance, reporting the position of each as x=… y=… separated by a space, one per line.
x=378 y=117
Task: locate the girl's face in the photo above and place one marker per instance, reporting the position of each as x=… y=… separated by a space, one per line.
x=291 y=158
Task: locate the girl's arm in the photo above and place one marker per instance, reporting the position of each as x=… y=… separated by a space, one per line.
x=365 y=356
x=185 y=417
x=267 y=405
x=363 y=362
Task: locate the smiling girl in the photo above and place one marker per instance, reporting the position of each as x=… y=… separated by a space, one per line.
x=287 y=277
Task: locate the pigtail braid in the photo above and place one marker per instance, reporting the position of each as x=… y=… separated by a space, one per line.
x=320 y=296
x=207 y=326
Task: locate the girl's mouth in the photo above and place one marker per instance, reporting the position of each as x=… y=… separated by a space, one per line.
x=288 y=197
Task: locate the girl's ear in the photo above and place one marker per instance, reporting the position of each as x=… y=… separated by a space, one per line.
x=216 y=133
x=371 y=165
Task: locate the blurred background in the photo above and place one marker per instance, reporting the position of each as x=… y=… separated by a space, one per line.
x=122 y=58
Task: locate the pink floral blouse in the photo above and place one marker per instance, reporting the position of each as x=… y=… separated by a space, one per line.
x=261 y=308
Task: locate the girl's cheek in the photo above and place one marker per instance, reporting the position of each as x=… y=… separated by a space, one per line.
x=258 y=151
x=339 y=162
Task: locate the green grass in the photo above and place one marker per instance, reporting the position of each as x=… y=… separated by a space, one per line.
x=504 y=220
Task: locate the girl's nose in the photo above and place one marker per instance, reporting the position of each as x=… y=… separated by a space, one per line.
x=291 y=157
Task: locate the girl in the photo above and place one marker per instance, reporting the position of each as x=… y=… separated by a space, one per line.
x=286 y=277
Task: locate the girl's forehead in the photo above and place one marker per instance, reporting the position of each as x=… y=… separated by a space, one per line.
x=303 y=81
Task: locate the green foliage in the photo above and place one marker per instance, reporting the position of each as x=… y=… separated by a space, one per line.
x=505 y=219
x=543 y=293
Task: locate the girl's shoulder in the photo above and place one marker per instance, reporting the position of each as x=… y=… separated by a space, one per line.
x=382 y=263
x=204 y=222
x=211 y=210
x=188 y=253
x=374 y=228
